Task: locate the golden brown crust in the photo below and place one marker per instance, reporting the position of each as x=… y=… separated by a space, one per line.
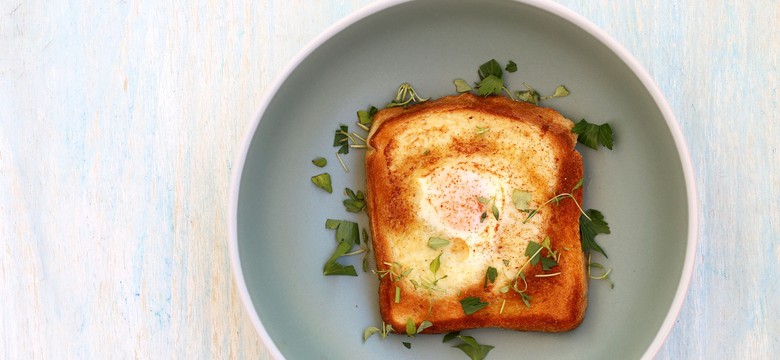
x=559 y=302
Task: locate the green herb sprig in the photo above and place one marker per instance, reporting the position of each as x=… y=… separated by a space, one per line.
x=355 y=202
x=412 y=329
x=491 y=81
x=490 y=275
x=430 y=283
x=532 y=96
x=604 y=276
x=490 y=203
x=323 y=182
x=395 y=270
x=469 y=346
x=437 y=243
x=556 y=199
x=347 y=237
x=593 y=135
x=320 y=162
x=549 y=261
x=472 y=304
x=591 y=224
x=533 y=251
x=384 y=331
x=366 y=118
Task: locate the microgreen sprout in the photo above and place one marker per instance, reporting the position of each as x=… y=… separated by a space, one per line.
x=355 y=202
x=405 y=96
x=557 y=199
x=533 y=251
x=489 y=203
x=371 y=330
x=395 y=270
x=342 y=162
x=603 y=276
x=430 y=283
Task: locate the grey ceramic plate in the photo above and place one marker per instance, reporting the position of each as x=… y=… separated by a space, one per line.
x=644 y=186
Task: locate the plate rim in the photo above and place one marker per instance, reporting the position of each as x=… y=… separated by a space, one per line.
x=546 y=5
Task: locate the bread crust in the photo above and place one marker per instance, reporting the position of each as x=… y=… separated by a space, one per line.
x=558 y=302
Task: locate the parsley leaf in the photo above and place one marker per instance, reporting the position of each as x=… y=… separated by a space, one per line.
x=356 y=202
x=530 y=95
x=366 y=118
x=490 y=275
x=411 y=329
x=526 y=299
x=533 y=250
x=521 y=199
x=323 y=182
x=450 y=336
x=472 y=304
x=560 y=91
x=593 y=135
x=437 y=243
x=423 y=325
x=347 y=236
x=590 y=228
x=472 y=348
x=511 y=66
x=491 y=85
x=320 y=162
x=371 y=330
x=462 y=86
x=492 y=67
x=548 y=263
x=435 y=264
x=341 y=139
x=407 y=344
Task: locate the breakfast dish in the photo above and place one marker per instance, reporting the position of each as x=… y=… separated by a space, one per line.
x=473 y=205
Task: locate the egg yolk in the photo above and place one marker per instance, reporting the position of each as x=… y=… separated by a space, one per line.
x=453 y=192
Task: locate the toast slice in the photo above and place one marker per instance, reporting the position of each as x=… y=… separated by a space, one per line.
x=440 y=182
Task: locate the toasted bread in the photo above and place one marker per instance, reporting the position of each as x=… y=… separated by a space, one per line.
x=435 y=170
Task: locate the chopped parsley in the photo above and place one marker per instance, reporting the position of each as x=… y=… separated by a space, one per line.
x=371 y=330
x=366 y=117
x=461 y=86
x=437 y=243
x=323 y=182
x=469 y=345
x=341 y=139
x=320 y=162
x=593 y=135
x=347 y=237
x=472 y=304
x=489 y=203
x=591 y=224
x=490 y=275
x=355 y=202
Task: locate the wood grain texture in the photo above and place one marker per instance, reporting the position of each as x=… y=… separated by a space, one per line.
x=120 y=122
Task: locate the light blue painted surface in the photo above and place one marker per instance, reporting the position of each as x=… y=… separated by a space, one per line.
x=119 y=123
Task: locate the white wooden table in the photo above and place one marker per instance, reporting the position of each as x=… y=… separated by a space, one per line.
x=120 y=122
